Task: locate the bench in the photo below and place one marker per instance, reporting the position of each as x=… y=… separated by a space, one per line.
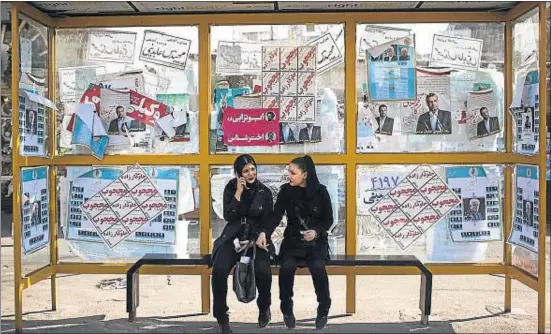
x=425 y=294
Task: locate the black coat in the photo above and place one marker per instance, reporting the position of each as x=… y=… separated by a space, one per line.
x=256 y=205
x=317 y=210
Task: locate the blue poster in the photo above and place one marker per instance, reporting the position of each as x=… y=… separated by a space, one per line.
x=391 y=71
x=35 y=217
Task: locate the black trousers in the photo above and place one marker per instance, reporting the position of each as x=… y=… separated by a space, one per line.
x=225 y=259
x=315 y=260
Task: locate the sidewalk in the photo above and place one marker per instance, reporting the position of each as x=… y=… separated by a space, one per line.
x=383 y=304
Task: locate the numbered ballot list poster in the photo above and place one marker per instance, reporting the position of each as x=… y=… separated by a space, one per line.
x=411 y=208
x=35 y=215
x=478 y=215
x=160 y=230
x=525 y=230
x=32 y=127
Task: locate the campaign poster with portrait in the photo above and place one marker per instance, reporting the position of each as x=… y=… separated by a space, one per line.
x=386 y=118
x=251 y=127
x=525 y=110
x=482 y=120
x=478 y=215
x=35 y=217
x=525 y=229
x=430 y=113
x=391 y=71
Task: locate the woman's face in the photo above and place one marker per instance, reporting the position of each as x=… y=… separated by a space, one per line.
x=249 y=173
x=296 y=176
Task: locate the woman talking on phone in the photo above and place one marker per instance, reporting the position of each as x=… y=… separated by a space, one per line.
x=247 y=205
x=309 y=216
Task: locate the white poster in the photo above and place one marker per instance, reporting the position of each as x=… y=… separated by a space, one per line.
x=26 y=52
x=111 y=46
x=478 y=215
x=456 y=52
x=328 y=55
x=374 y=183
x=35 y=217
x=125 y=205
x=289 y=82
x=73 y=81
x=482 y=120
x=411 y=208
x=525 y=229
x=164 y=49
x=237 y=58
x=373 y=35
x=430 y=114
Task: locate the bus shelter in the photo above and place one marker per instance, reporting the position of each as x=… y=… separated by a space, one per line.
x=178 y=90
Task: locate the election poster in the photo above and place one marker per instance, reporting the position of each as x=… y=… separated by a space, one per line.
x=35 y=217
x=173 y=183
x=482 y=120
x=88 y=130
x=430 y=113
x=125 y=202
x=179 y=123
x=251 y=127
x=328 y=53
x=478 y=215
x=111 y=46
x=525 y=110
x=289 y=82
x=164 y=49
x=33 y=126
x=238 y=58
x=374 y=183
x=391 y=70
x=459 y=53
x=374 y=35
x=74 y=81
x=411 y=208
x=525 y=229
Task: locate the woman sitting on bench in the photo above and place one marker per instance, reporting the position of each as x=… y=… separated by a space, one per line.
x=247 y=205
x=309 y=217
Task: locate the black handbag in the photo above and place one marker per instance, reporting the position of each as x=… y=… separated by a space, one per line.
x=244 y=284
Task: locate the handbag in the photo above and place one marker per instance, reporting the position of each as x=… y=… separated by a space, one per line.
x=244 y=284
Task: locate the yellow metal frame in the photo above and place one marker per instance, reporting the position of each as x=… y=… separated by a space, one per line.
x=350 y=159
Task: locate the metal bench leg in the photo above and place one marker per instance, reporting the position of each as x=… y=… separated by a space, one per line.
x=132 y=293
x=425 y=298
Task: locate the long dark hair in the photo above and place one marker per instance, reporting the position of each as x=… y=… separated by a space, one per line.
x=306 y=164
x=240 y=162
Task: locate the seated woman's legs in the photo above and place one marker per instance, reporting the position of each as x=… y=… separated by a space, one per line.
x=263 y=279
x=287 y=269
x=225 y=259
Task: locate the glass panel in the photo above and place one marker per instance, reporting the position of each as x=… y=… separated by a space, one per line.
x=310 y=97
x=174 y=229
x=146 y=79
x=525 y=107
x=466 y=95
x=33 y=71
x=273 y=176
x=406 y=209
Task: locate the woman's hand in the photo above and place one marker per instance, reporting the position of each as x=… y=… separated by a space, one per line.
x=240 y=187
x=261 y=241
x=310 y=235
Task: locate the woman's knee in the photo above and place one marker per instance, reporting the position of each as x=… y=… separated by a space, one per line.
x=221 y=269
x=317 y=267
x=287 y=265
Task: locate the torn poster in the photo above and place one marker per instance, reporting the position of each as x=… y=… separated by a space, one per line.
x=89 y=131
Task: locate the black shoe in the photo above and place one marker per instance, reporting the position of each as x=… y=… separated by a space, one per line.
x=264 y=318
x=224 y=326
x=321 y=321
x=289 y=320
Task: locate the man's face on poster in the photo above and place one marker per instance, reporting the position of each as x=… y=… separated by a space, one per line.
x=432 y=103
x=528 y=207
x=474 y=205
x=484 y=113
x=404 y=52
x=390 y=52
x=120 y=112
x=382 y=111
x=31 y=117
